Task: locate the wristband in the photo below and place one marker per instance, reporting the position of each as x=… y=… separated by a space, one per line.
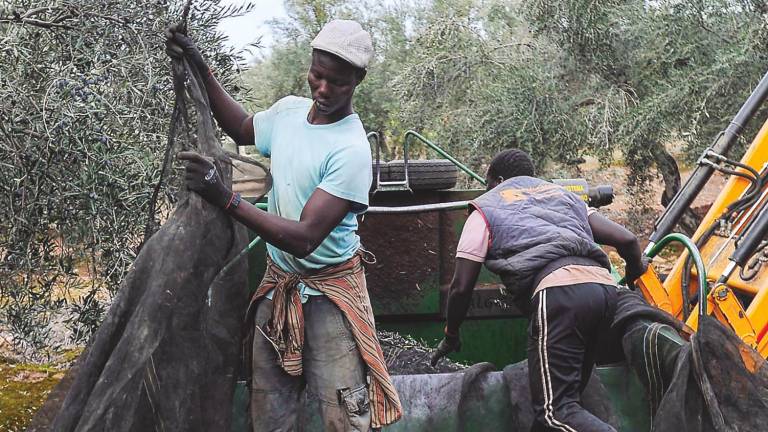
x=233 y=202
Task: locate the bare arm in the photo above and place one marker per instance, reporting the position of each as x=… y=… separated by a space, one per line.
x=232 y=117
x=299 y=238
x=320 y=214
x=607 y=232
x=460 y=297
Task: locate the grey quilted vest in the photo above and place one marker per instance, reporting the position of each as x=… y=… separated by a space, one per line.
x=535 y=228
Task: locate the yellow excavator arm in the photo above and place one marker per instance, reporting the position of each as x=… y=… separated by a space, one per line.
x=730 y=241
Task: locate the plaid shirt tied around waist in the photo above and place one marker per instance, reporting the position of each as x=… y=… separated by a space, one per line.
x=343 y=284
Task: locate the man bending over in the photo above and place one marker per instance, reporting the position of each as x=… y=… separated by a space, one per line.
x=540 y=239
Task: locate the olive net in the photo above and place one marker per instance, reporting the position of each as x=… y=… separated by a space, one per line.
x=166 y=356
x=718 y=384
x=714 y=382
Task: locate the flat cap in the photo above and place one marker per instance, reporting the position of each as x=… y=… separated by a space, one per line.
x=346 y=39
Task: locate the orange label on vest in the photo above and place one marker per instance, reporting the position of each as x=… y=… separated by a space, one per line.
x=541 y=191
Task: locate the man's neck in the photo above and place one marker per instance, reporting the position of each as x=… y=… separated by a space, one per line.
x=317 y=118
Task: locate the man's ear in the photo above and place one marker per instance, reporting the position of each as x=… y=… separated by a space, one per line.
x=360 y=74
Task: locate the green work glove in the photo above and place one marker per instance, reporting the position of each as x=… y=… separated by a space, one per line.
x=178 y=45
x=446 y=346
x=203 y=178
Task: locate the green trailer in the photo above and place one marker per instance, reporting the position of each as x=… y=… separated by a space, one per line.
x=413 y=230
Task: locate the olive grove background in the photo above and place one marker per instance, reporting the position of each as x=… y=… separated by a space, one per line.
x=560 y=79
x=85 y=103
x=85 y=100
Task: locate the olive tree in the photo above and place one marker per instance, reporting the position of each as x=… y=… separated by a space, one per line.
x=85 y=101
x=684 y=66
x=562 y=80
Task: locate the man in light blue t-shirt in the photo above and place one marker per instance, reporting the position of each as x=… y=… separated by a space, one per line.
x=312 y=316
x=334 y=158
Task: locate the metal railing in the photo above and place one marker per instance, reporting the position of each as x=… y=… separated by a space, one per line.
x=413 y=134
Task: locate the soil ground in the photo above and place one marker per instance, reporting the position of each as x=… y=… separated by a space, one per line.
x=24 y=387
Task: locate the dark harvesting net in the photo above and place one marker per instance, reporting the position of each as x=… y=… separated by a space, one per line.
x=719 y=384
x=166 y=356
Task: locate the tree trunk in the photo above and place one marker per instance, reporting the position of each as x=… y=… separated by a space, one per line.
x=670 y=174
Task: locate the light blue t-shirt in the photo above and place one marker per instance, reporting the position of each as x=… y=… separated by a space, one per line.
x=334 y=157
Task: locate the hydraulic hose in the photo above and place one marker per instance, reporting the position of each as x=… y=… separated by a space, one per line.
x=751 y=239
x=456 y=205
x=703 y=172
x=750 y=196
x=685 y=280
x=693 y=251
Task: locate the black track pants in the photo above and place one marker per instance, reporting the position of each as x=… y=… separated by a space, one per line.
x=568 y=324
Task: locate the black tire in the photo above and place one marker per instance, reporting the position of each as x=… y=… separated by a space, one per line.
x=429 y=174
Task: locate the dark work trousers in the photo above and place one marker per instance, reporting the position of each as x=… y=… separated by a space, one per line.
x=567 y=328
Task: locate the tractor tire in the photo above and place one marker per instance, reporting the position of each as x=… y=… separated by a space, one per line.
x=429 y=174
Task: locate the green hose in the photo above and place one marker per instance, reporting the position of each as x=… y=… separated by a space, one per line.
x=232 y=262
x=697 y=261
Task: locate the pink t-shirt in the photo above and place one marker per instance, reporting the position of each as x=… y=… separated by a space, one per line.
x=475 y=241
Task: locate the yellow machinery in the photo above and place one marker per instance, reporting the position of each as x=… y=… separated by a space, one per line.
x=725 y=262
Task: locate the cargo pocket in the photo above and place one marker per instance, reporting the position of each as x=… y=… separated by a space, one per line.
x=357 y=406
